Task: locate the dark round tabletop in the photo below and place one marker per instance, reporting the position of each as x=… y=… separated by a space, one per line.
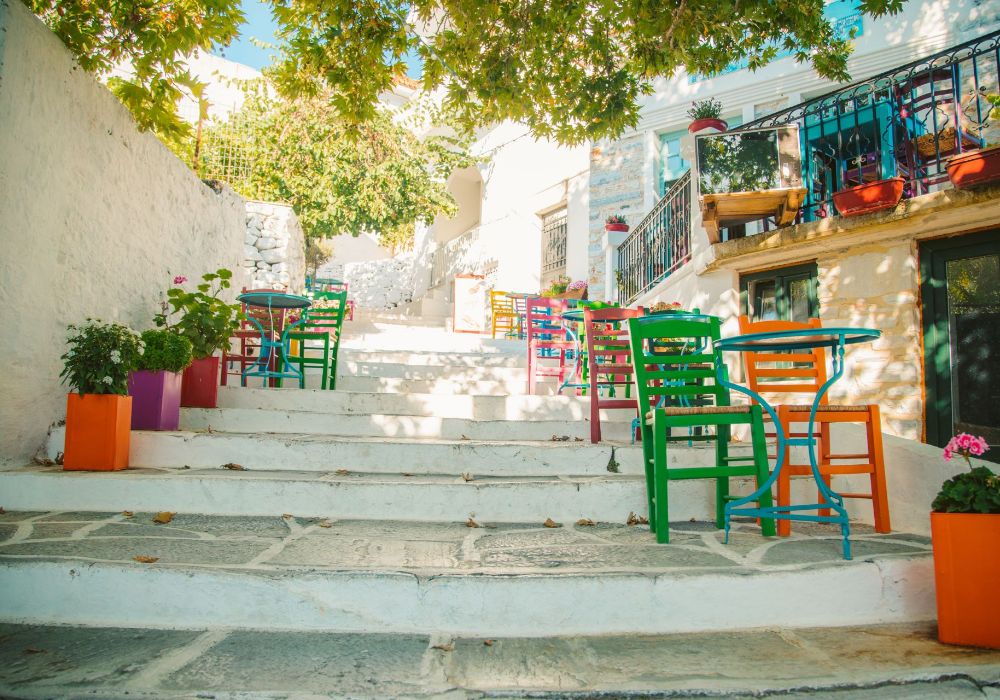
x=275 y=300
x=804 y=339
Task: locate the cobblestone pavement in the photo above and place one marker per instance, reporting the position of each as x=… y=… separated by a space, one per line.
x=291 y=543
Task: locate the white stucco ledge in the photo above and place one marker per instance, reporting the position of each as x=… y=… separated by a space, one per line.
x=943 y=213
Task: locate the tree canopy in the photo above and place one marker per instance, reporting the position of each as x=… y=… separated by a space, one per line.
x=340 y=178
x=572 y=70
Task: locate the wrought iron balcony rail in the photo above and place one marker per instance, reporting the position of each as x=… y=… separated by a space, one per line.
x=660 y=244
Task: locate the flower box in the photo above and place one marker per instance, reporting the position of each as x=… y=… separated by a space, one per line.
x=616 y=227
x=156 y=399
x=869 y=197
x=97 y=432
x=974 y=168
x=200 y=385
x=707 y=123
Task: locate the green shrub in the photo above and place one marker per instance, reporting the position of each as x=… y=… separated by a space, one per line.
x=975 y=491
x=100 y=356
x=165 y=350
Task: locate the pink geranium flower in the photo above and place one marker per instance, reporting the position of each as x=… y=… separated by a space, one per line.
x=965 y=445
x=180 y=279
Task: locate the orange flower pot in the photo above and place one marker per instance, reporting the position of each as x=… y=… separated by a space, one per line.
x=966 y=572
x=97 y=432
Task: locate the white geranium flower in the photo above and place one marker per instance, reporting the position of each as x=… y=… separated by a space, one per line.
x=108 y=380
x=116 y=357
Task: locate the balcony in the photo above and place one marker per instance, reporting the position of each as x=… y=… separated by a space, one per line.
x=906 y=122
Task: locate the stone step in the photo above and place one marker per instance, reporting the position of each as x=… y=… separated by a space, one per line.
x=523 y=579
x=390 y=336
x=256 y=420
x=508 y=377
x=520 y=407
x=429 y=358
x=876 y=662
x=354 y=495
x=300 y=452
x=441 y=385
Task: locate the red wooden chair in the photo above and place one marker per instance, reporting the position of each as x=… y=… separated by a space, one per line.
x=547 y=340
x=610 y=361
x=803 y=373
x=247 y=338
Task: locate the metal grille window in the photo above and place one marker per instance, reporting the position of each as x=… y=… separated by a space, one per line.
x=554 y=242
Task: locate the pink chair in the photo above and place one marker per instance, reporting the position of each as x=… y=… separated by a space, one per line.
x=547 y=340
x=610 y=361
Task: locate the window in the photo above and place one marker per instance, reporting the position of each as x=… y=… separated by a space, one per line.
x=785 y=294
x=672 y=165
x=553 y=244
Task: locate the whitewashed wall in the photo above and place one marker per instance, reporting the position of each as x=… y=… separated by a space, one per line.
x=95 y=220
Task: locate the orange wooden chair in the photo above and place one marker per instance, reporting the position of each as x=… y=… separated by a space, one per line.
x=804 y=372
x=609 y=357
x=547 y=341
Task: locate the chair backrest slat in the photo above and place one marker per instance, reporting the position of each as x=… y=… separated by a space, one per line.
x=776 y=373
x=609 y=353
x=544 y=319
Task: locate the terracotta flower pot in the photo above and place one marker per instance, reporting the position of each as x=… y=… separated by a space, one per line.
x=616 y=227
x=156 y=399
x=97 y=432
x=975 y=167
x=966 y=572
x=869 y=197
x=574 y=293
x=200 y=386
x=708 y=123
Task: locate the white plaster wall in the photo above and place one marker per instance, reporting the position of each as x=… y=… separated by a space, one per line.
x=466 y=186
x=101 y=217
x=360 y=248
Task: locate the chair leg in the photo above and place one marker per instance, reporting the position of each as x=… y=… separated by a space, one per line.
x=722 y=482
x=531 y=371
x=595 y=418
x=784 y=479
x=823 y=459
x=647 y=463
x=880 y=496
x=763 y=471
x=660 y=480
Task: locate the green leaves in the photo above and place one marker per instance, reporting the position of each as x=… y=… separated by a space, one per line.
x=165 y=350
x=206 y=321
x=975 y=491
x=100 y=356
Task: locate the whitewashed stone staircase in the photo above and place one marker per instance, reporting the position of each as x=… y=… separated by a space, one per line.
x=370 y=495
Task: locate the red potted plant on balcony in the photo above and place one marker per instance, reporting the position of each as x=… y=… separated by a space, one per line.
x=155 y=386
x=98 y=411
x=869 y=197
x=706 y=114
x=616 y=222
x=965 y=534
x=982 y=165
x=208 y=322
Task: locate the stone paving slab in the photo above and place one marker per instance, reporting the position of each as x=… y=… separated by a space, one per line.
x=878 y=662
x=291 y=543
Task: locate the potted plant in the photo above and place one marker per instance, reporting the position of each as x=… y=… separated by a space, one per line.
x=155 y=385
x=557 y=287
x=869 y=196
x=209 y=323
x=576 y=290
x=98 y=410
x=965 y=534
x=706 y=114
x=616 y=222
x=982 y=165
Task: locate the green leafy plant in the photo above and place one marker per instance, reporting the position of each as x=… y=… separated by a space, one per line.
x=710 y=108
x=165 y=350
x=974 y=491
x=557 y=286
x=317 y=254
x=204 y=319
x=615 y=219
x=100 y=356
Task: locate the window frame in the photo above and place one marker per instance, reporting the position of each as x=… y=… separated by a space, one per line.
x=782 y=277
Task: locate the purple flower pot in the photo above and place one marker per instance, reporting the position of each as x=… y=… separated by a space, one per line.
x=156 y=399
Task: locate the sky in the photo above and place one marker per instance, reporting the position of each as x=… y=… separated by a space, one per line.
x=260 y=25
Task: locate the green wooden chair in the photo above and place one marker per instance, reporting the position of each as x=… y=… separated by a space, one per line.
x=312 y=349
x=330 y=320
x=675 y=377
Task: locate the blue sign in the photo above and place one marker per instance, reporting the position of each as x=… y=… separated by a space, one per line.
x=844 y=15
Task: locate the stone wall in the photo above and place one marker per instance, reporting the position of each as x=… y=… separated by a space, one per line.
x=616 y=187
x=95 y=219
x=274 y=248
x=381 y=284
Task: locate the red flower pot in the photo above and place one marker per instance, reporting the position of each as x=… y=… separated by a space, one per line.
x=616 y=227
x=200 y=386
x=156 y=399
x=869 y=197
x=709 y=123
x=975 y=167
x=966 y=572
x=97 y=432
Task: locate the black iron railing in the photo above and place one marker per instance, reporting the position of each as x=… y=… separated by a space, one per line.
x=660 y=244
x=904 y=122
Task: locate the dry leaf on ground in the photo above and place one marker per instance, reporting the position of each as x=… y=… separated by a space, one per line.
x=341 y=472
x=549 y=522
x=585 y=522
x=44 y=462
x=127 y=513
x=444 y=647
x=287 y=516
x=467 y=476
x=634 y=519
x=143 y=559
x=559 y=438
x=234 y=466
x=472 y=523
x=2 y=511
x=163 y=518
x=325 y=523
x=488 y=643
x=407 y=473
x=34 y=650
x=578 y=439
